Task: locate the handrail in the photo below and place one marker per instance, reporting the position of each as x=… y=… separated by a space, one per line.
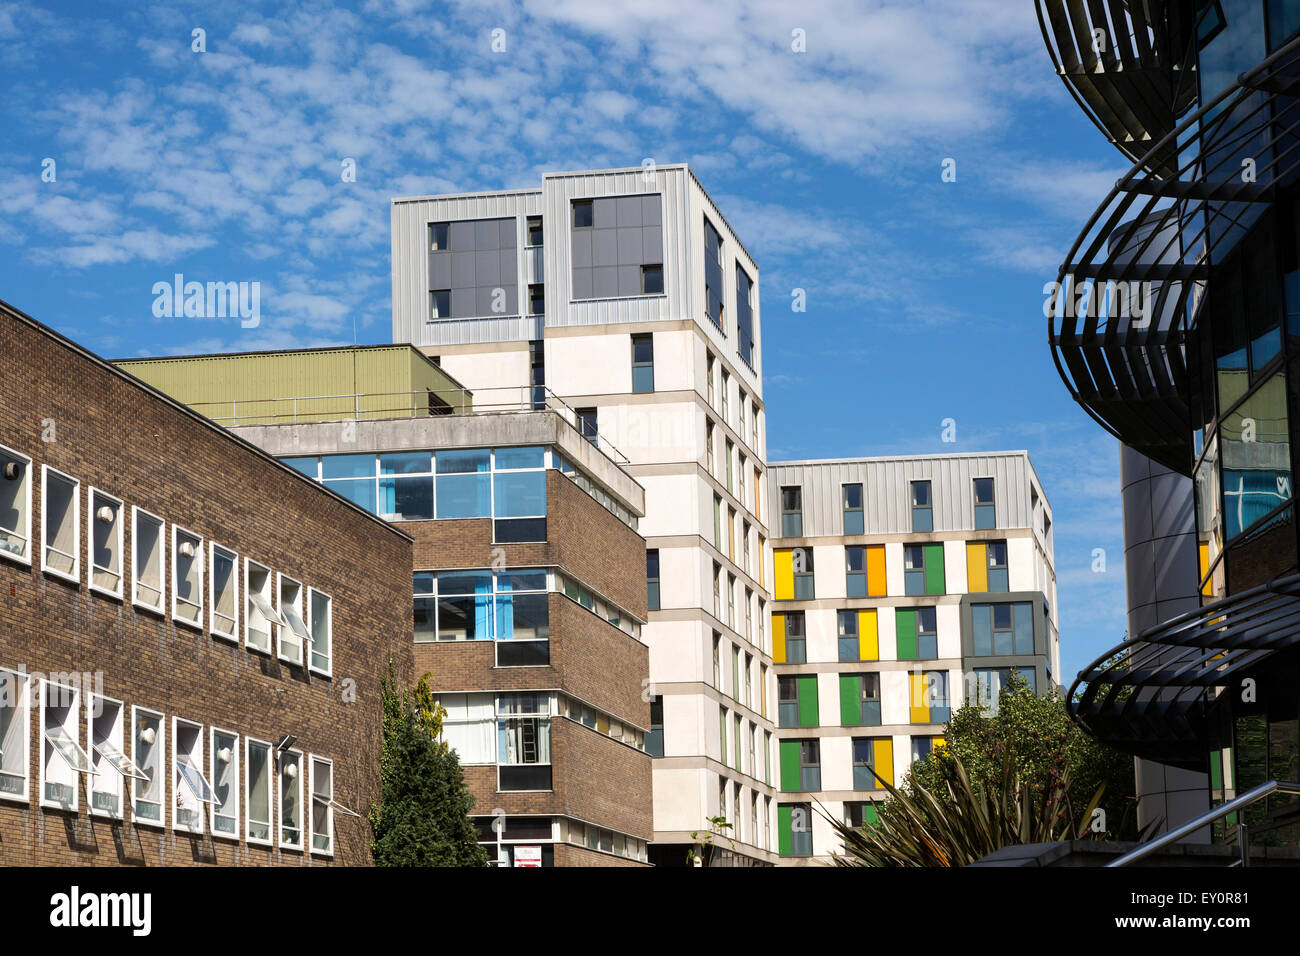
x=1254 y=795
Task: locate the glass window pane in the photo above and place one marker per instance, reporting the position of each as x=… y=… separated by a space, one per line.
x=306 y=465
x=525 y=457
x=406 y=498
x=360 y=491
x=465 y=618
x=522 y=581
x=521 y=495
x=347 y=466
x=461 y=461
x=522 y=617
x=464 y=582
x=406 y=463
x=463 y=496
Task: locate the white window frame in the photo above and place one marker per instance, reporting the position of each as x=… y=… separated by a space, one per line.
x=104 y=769
x=26 y=504
x=271 y=788
x=91 y=517
x=180 y=788
x=312 y=761
x=74 y=576
x=284 y=759
x=161 y=607
x=20 y=686
x=235 y=782
x=249 y=565
x=213 y=626
x=197 y=623
x=160 y=750
x=328 y=669
x=304 y=649
x=73 y=726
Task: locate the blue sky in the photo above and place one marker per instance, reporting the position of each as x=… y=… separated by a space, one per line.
x=924 y=298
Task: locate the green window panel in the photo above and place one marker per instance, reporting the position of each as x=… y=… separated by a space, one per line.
x=850 y=700
x=808 y=714
x=784 y=826
x=934 y=578
x=870 y=817
x=905 y=629
x=790 y=765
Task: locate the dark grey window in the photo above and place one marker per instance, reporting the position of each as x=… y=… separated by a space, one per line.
x=744 y=317
x=792 y=512
x=478 y=266
x=849 y=649
x=1002 y=629
x=617 y=247
x=654 y=740
x=537 y=369
x=810 y=765
x=438 y=236
x=652 y=279
x=927 y=634
x=787 y=701
x=922 y=508
x=796 y=643
x=853 y=523
x=534 y=230
x=864 y=758
x=643 y=363
x=997 y=557
x=713 y=291
x=855 y=571
x=652 y=579
x=986 y=516
x=913 y=569
x=440 y=304
x=802 y=560
x=587 y=423
x=583 y=214
x=536 y=299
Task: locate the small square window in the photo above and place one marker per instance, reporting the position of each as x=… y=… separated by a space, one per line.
x=537 y=299
x=652 y=280
x=15 y=506
x=439 y=236
x=440 y=304
x=534 y=230
x=582 y=214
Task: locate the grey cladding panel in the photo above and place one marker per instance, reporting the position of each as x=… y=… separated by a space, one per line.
x=626 y=234
x=481 y=260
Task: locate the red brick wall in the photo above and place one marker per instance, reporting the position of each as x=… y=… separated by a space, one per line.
x=123 y=440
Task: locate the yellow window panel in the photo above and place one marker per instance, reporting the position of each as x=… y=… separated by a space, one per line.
x=783 y=579
x=876 y=586
x=884 y=753
x=778 y=638
x=1203 y=564
x=920 y=709
x=868 y=636
x=977 y=568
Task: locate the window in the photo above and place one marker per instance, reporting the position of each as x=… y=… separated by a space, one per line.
x=534 y=227
x=643 y=363
x=989 y=682
x=469 y=727
x=740 y=487
x=440 y=304
x=791 y=512
x=193 y=792
x=320 y=623
x=864 y=570
x=15 y=506
x=109 y=765
x=225 y=592
x=731 y=601
x=794 y=829
x=847 y=636
x=922 y=509
x=745 y=693
x=519 y=494
x=439 y=233
x=150 y=560
x=652 y=279
x=917 y=633
x=802 y=565
x=801 y=765
x=986 y=515
x=259 y=609
x=225 y=784
x=60 y=517
x=713 y=290
x=510 y=607
x=797 y=701
x=15 y=731
x=294 y=635
x=767 y=757
x=923 y=747
x=998 y=575
x=523 y=742
x=735 y=754
x=582 y=214
x=257 y=785
x=717 y=660
x=868 y=752
x=290 y=791
x=744 y=317
x=735 y=672
x=749 y=615
x=652 y=579
x=852 y=495
x=321 y=785
x=149 y=754
x=860 y=813
x=1002 y=629
x=725 y=395
x=587 y=424
x=860 y=700
x=789 y=637
x=717 y=587
x=731 y=457
x=708 y=446
x=722 y=752
x=104 y=542
x=654 y=741
x=762 y=689
x=923 y=569
x=929 y=698
x=62 y=758
x=187 y=578
x=537 y=299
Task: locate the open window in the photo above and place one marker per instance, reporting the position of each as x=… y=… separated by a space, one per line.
x=294 y=636
x=193 y=792
x=322 y=806
x=148 y=753
x=60 y=516
x=225 y=784
x=290 y=790
x=62 y=759
x=104 y=542
x=224 y=597
x=15 y=506
x=150 y=560
x=112 y=768
x=259 y=610
x=187 y=578
x=257 y=785
x=320 y=621
x=15 y=731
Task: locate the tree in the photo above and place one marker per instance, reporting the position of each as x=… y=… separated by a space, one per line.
x=1044 y=744
x=423 y=815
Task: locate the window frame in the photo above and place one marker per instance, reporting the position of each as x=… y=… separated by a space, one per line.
x=927 y=509
x=26 y=504
x=859 y=511
x=328 y=669
x=159 y=746
x=280 y=579
x=236 y=773
x=991 y=504
x=120 y=543
x=436 y=297
x=636 y=339
x=791 y=512
x=285 y=759
x=93 y=752
x=73 y=722
x=22 y=686
x=233 y=634
x=312 y=761
x=269 y=650
x=272 y=775
x=197 y=623
x=161 y=607
x=73 y=576
x=178 y=791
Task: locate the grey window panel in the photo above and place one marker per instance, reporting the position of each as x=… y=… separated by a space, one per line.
x=487 y=234
x=629 y=247
x=582 y=283
x=604 y=247
x=487 y=268
x=485 y=302
x=604 y=282
x=462 y=270
x=629 y=211
x=582 y=249
x=605 y=213
x=440 y=270
x=462 y=236
x=463 y=303
x=652 y=210
x=506 y=237
x=508 y=263
x=652 y=244
x=629 y=280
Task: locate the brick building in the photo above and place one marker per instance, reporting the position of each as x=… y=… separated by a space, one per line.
x=190 y=662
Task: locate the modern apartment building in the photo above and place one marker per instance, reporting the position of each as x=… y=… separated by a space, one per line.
x=1186 y=350
x=627 y=294
x=526 y=585
x=190 y=658
x=901 y=587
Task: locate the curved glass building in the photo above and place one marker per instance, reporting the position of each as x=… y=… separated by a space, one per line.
x=1175 y=323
